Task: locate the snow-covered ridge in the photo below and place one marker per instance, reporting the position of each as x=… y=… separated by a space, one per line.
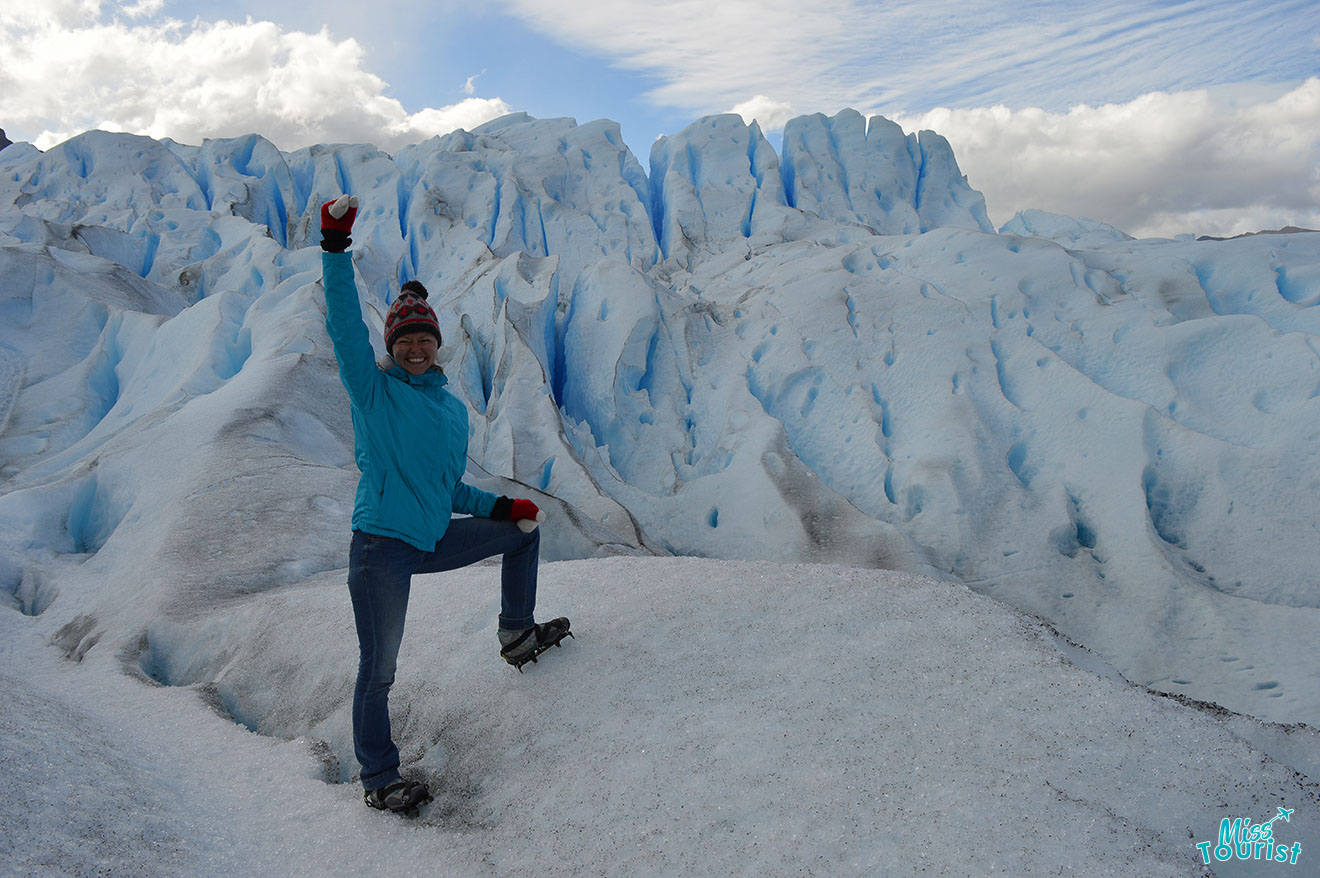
x=524 y=185
x=825 y=356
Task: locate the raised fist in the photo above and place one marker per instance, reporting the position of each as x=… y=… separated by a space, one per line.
x=339 y=214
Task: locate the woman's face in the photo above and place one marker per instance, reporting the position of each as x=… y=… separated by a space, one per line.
x=415 y=352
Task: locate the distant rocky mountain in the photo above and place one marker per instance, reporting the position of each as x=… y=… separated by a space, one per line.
x=1286 y=230
x=4 y=141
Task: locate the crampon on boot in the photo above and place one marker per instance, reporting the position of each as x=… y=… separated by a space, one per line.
x=521 y=647
x=401 y=797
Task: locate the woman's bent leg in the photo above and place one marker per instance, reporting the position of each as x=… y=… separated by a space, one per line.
x=518 y=582
x=379 y=574
x=469 y=540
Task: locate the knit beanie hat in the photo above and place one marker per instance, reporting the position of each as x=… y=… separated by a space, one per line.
x=410 y=314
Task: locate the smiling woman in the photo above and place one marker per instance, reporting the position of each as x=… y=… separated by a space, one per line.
x=410 y=437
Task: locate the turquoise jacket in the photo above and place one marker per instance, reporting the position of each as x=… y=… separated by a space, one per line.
x=410 y=435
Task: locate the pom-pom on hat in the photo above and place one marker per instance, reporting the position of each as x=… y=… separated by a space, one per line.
x=410 y=314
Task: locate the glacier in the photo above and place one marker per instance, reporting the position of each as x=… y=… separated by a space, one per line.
x=826 y=355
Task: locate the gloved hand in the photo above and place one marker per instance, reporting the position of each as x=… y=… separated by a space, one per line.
x=525 y=512
x=336 y=222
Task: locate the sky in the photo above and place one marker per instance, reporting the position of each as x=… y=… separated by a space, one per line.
x=1157 y=117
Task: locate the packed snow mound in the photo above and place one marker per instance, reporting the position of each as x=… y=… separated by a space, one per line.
x=1066 y=230
x=718 y=185
x=829 y=357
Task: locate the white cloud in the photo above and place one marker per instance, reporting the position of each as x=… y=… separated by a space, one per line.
x=892 y=54
x=707 y=55
x=142 y=8
x=66 y=70
x=466 y=114
x=1152 y=150
x=1163 y=164
x=769 y=113
x=1151 y=162
x=46 y=13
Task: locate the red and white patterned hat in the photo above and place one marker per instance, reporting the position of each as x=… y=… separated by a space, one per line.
x=409 y=314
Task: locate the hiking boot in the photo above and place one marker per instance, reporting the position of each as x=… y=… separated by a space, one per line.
x=520 y=647
x=398 y=796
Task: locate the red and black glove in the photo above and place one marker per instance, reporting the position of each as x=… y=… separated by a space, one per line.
x=525 y=512
x=337 y=222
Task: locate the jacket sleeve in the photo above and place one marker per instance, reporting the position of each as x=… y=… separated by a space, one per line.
x=473 y=501
x=348 y=332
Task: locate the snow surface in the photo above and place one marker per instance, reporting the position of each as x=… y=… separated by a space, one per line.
x=827 y=359
x=727 y=717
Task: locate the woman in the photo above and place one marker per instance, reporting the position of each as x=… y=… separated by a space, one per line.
x=410 y=436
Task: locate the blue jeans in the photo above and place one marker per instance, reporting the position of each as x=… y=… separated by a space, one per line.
x=380 y=571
